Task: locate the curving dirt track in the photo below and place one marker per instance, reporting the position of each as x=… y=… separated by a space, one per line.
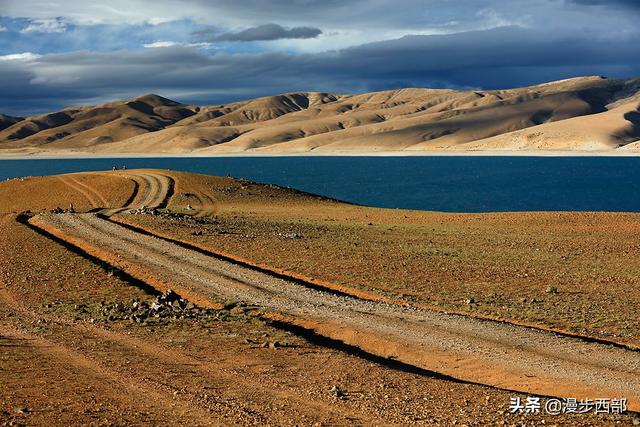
x=73 y=346
x=493 y=353
x=152 y=190
x=469 y=349
x=94 y=197
x=207 y=205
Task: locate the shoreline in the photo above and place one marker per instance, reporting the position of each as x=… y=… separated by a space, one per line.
x=488 y=153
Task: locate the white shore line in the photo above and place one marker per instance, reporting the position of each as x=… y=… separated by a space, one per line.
x=81 y=155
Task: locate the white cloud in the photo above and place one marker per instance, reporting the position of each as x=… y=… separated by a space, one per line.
x=3 y=29
x=106 y=11
x=205 y=45
x=25 y=56
x=55 y=25
x=160 y=44
x=157 y=20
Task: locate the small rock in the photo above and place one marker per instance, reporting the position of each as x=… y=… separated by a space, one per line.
x=551 y=290
x=469 y=301
x=271 y=344
x=337 y=392
x=237 y=311
x=170 y=296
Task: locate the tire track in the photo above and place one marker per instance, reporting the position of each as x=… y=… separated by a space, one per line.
x=65 y=340
x=128 y=385
x=152 y=190
x=500 y=355
x=159 y=189
x=207 y=206
x=85 y=191
x=96 y=194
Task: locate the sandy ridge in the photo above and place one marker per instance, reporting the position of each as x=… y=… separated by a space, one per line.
x=586 y=114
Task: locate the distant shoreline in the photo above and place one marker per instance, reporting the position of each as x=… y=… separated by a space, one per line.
x=488 y=153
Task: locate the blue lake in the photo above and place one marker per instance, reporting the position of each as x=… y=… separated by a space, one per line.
x=455 y=184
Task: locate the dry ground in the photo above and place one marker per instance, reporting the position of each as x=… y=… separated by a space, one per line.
x=58 y=363
x=499 y=264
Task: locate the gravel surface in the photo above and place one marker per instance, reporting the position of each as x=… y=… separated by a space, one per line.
x=151 y=191
x=480 y=351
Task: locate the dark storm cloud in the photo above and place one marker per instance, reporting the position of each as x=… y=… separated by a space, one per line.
x=626 y=3
x=503 y=57
x=263 y=33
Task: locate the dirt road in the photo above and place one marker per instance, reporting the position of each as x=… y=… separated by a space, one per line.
x=464 y=348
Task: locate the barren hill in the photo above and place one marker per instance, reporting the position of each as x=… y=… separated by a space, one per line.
x=84 y=127
x=580 y=114
x=6 y=121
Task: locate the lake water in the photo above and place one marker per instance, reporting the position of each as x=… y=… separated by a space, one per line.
x=455 y=184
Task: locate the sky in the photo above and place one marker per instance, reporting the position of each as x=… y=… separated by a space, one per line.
x=59 y=53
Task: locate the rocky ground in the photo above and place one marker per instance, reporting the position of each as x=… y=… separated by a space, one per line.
x=82 y=341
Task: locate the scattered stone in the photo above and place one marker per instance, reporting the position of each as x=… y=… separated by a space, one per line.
x=271 y=345
x=173 y=216
x=291 y=235
x=235 y=311
x=169 y=296
x=551 y=290
x=230 y=305
x=469 y=301
x=337 y=393
x=169 y=307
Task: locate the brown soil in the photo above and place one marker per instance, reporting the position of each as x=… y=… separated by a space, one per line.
x=500 y=265
x=198 y=370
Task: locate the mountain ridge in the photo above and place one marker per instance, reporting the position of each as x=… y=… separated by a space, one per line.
x=578 y=114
